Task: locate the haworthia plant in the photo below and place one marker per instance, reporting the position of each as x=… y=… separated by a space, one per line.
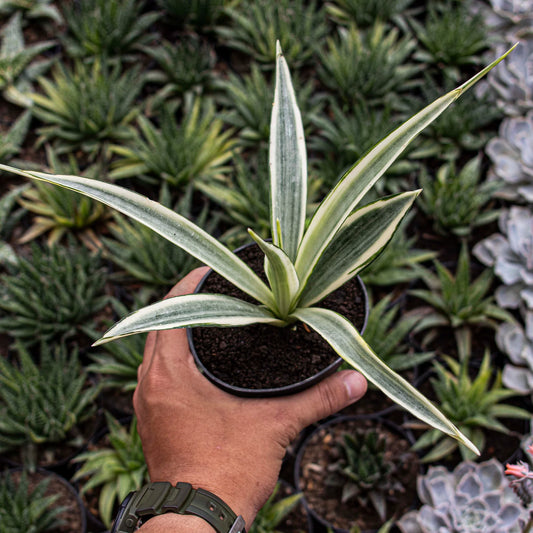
x=302 y=266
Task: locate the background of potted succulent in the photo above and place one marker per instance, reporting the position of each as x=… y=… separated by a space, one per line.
x=190 y=129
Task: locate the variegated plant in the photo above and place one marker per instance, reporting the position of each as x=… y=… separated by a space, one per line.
x=302 y=265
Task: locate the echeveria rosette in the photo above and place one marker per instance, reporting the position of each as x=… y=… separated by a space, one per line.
x=474 y=498
x=512 y=19
x=511 y=154
x=302 y=264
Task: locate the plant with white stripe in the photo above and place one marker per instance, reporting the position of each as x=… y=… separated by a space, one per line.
x=303 y=265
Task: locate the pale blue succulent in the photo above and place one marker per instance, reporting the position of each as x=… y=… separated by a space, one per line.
x=512 y=19
x=512 y=158
x=516 y=341
x=474 y=498
x=513 y=83
x=511 y=254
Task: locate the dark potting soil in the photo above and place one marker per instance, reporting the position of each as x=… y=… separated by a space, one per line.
x=324 y=499
x=262 y=356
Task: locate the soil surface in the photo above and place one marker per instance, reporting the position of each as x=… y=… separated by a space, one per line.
x=262 y=356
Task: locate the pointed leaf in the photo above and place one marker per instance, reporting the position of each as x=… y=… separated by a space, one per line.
x=341 y=201
x=281 y=274
x=288 y=162
x=362 y=236
x=348 y=343
x=190 y=310
x=174 y=227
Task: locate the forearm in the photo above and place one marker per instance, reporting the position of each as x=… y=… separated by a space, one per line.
x=175 y=523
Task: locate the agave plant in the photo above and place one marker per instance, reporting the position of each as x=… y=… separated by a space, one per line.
x=472 y=498
x=11 y=141
x=32 y=9
x=9 y=219
x=303 y=264
x=366 y=12
x=510 y=153
x=17 y=66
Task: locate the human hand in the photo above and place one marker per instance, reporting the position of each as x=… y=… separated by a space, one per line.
x=193 y=431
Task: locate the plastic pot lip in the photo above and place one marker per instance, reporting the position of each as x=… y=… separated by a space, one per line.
x=331 y=421
x=293 y=388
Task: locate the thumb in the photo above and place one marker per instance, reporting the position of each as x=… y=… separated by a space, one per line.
x=330 y=395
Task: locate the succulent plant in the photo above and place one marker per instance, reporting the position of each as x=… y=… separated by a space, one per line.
x=364 y=471
x=510 y=19
x=304 y=263
x=49 y=295
x=456 y=200
x=12 y=140
x=201 y=14
x=25 y=506
x=32 y=9
x=365 y=12
x=474 y=498
x=117 y=467
x=513 y=84
x=511 y=154
x=9 y=219
x=17 y=66
x=472 y=404
x=510 y=253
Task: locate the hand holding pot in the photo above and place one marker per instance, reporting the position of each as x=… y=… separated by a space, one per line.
x=192 y=431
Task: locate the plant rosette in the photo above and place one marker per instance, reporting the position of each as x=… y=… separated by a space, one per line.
x=72 y=514
x=283 y=360
x=333 y=498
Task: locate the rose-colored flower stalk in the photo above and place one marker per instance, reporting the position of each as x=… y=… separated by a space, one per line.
x=522 y=485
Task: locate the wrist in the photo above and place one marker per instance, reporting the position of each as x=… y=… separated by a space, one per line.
x=175 y=523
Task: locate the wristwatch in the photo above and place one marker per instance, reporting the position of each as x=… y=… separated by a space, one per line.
x=162 y=497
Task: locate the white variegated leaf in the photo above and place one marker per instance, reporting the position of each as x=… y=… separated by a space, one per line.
x=288 y=162
x=348 y=343
x=190 y=310
x=169 y=224
x=359 y=240
x=340 y=202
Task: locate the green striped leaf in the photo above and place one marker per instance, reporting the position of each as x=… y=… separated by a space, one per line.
x=280 y=273
x=359 y=240
x=174 y=227
x=348 y=343
x=288 y=162
x=341 y=201
x=190 y=310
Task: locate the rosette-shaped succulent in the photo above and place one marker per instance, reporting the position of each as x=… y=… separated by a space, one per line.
x=511 y=18
x=517 y=343
x=512 y=157
x=474 y=498
x=511 y=255
x=513 y=83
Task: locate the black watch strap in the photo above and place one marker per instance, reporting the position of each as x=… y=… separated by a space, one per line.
x=161 y=497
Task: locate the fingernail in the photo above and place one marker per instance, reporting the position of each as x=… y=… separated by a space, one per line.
x=355 y=385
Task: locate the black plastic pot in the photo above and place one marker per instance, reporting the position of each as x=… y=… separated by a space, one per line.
x=318 y=523
x=292 y=388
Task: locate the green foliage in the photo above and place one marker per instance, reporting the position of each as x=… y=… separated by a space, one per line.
x=458 y=303
x=192 y=149
x=244 y=199
x=147 y=256
x=452 y=36
x=365 y=12
x=183 y=67
x=400 y=262
x=32 y=9
x=117 y=365
x=456 y=202
x=17 y=66
x=386 y=333
x=363 y=470
x=471 y=404
x=275 y=510
x=61 y=212
x=12 y=141
x=88 y=106
x=49 y=295
x=25 y=509
x=117 y=468
x=9 y=219
x=255 y=26
x=45 y=402
x=110 y=28
x=367 y=66
x=201 y=14
x=344 y=135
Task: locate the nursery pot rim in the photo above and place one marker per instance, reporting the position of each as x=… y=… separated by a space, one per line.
x=284 y=390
